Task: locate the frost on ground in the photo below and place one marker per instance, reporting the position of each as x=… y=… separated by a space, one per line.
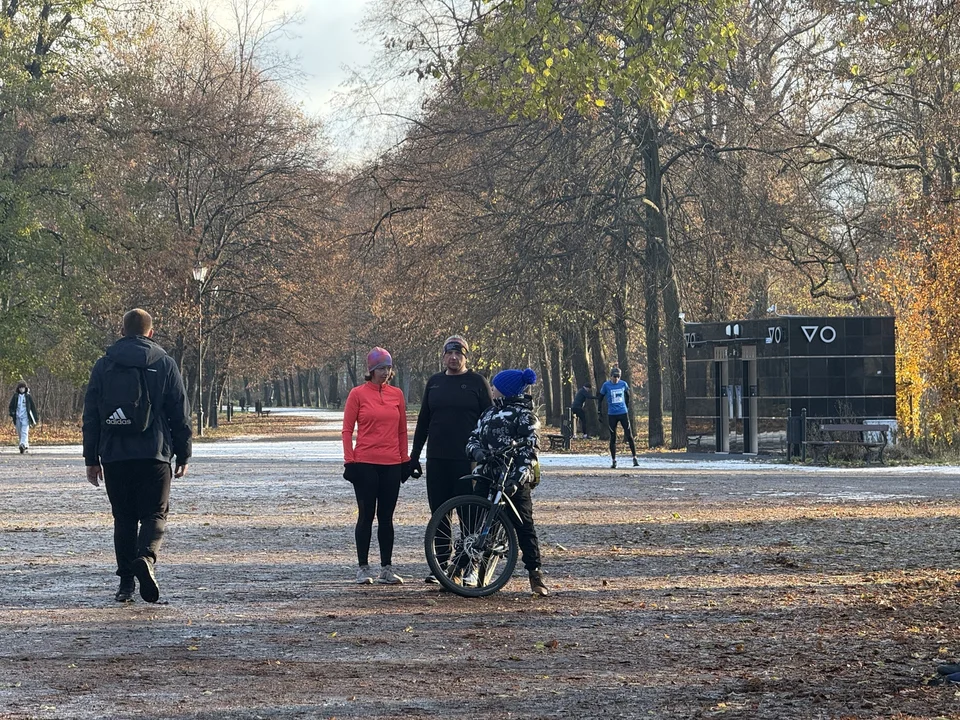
x=680 y=590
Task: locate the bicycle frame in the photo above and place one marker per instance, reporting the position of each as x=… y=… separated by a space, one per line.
x=495 y=494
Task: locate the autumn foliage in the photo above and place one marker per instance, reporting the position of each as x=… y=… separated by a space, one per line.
x=920 y=281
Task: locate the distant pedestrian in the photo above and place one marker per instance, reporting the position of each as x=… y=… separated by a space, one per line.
x=617 y=394
x=23 y=412
x=378 y=463
x=583 y=394
x=136 y=419
x=453 y=401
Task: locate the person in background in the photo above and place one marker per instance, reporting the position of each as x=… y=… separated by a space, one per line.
x=510 y=418
x=576 y=407
x=23 y=412
x=133 y=460
x=617 y=394
x=452 y=403
x=378 y=463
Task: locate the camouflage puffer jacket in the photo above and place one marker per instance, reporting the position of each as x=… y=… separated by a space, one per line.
x=508 y=419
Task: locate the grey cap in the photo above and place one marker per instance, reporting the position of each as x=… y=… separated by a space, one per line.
x=614 y=371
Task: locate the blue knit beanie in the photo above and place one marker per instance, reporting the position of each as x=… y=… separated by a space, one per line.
x=513 y=382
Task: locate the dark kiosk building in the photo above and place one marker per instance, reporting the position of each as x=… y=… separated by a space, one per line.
x=745 y=378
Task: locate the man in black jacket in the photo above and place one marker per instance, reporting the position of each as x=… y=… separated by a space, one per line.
x=452 y=403
x=133 y=463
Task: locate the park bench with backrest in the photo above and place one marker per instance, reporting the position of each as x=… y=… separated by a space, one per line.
x=561 y=441
x=869 y=437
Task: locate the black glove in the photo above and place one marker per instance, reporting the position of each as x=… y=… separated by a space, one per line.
x=351 y=472
x=416 y=471
x=478 y=455
x=404 y=471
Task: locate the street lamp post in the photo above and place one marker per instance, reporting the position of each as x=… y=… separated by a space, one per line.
x=200 y=274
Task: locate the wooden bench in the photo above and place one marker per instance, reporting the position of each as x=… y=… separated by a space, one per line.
x=830 y=440
x=562 y=441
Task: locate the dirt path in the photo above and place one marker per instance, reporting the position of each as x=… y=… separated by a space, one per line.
x=688 y=592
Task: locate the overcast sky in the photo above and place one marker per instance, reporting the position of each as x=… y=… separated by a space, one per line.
x=328 y=40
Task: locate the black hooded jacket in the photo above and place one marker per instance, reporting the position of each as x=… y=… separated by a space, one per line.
x=33 y=417
x=169 y=432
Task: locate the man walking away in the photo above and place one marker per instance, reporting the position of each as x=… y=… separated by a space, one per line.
x=136 y=418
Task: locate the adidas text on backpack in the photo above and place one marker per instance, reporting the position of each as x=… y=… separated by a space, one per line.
x=125 y=400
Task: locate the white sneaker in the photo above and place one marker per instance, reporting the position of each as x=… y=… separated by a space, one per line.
x=365 y=575
x=389 y=577
x=471 y=578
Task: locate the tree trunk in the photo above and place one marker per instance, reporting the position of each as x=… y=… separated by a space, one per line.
x=352 y=371
x=658 y=238
x=676 y=359
x=623 y=349
x=333 y=387
x=573 y=339
x=304 y=387
x=599 y=377
x=546 y=381
x=212 y=402
x=566 y=380
x=555 y=411
x=653 y=191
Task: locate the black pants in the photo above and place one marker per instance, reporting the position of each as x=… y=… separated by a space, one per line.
x=139 y=492
x=444 y=481
x=581 y=415
x=377 y=490
x=613 y=421
x=526 y=531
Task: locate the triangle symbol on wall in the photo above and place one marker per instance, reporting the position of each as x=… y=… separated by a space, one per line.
x=810 y=331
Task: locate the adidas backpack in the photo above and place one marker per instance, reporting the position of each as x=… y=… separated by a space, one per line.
x=125 y=400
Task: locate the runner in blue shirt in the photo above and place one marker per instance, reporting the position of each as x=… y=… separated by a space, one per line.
x=617 y=394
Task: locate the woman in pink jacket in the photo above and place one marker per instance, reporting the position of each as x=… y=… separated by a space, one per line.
x=377 y=463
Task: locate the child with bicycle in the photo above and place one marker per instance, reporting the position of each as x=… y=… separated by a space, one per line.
x=511 y=418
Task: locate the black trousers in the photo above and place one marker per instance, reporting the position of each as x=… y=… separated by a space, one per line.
x=377 y=490
x=443 y=480
x=443 y=483
x=139 y=492
x=581 y=415
x=613 y=421
x=526 y=531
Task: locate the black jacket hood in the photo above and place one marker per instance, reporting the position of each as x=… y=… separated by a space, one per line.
x=139 y=351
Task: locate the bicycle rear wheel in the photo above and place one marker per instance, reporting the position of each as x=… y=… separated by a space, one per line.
x=469 y=539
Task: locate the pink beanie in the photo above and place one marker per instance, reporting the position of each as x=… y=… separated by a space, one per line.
x=378 y=358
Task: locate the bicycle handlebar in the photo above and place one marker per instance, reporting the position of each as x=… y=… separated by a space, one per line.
x=511 y=448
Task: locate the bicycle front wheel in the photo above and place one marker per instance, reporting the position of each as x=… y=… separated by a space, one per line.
x=471 y=546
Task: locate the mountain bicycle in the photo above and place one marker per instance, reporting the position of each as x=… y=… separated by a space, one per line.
x=471 y=542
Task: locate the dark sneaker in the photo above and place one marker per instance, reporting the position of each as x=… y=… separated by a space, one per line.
x=636 y=463
x=613 y=465
x=537 y=586
x=948 y=669
x=127 y=587
x=431 y=580
x=954 y=678
x=23 y=449
x=143 y=569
